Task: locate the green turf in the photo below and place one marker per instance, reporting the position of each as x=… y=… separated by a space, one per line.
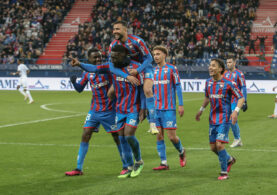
x=35 y=156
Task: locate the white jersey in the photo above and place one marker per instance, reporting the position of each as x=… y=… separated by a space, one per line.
x=22 y=69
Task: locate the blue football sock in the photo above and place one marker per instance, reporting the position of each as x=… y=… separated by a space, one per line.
x=124 y=163
x=150 y=105
x=222 y=156
x=132 y=140
x=161 y=150
x=82 y=154
x=126 y=152
x=178 y=146
x=236 y=130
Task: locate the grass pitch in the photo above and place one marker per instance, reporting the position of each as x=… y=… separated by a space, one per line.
x=37 y=146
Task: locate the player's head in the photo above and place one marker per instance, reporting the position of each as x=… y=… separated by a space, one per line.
x=19 y=61
x=216 y=67
x=231 y=62
x=94 y=56
x=119 y=56
x=120 y=30
x=159 y=53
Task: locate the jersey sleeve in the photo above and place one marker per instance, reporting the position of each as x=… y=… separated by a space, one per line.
x=206 y=90
x=103 y=68
x=235 y=90
x=242 y=83
x=80 y=85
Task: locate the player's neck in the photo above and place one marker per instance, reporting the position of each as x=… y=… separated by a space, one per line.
x=124 y=39
x=233 y=70
x=162 y=64
x=217 y=77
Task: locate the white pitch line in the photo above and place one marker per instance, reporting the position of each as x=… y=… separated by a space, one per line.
x=146 y=147
x=44 y=106
x=42 y=120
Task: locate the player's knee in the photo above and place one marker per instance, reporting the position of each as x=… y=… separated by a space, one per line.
x=160 y=137
x=86 y=135
x=115 y=138
x=219 y=146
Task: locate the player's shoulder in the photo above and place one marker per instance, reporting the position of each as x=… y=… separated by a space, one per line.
x=135 y=38
x=239 y=72
x=228 y=81
x=171 y=66
x=113 y=43
x=209 y=80
x=134 y=64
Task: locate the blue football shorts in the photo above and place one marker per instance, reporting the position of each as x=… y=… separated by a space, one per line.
x=166 y=119
x=130 y=119
x=219 y=133
x=106 y=119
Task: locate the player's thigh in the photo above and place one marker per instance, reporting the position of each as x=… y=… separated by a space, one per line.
x=107 y=120
x=222 y=133
x=23 y=83
x=168 y=119
x=120 y=120
x=92 y=121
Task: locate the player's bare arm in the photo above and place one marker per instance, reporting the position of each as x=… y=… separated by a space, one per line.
x=234 y=115
x=202 y=108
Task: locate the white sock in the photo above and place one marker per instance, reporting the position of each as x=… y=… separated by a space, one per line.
x=275 y=109
x=164 y=162
x=22 y=91
x=29 y=95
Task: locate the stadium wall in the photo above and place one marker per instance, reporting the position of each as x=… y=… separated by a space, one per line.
x=188 y=85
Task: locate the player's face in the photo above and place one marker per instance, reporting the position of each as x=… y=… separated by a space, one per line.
x=95 y=58
x=117 y=58
x=119 y=31
x=214 y=68
x=231 y=64
x=159 y=56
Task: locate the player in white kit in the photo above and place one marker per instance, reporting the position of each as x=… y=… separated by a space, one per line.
x=23 y=71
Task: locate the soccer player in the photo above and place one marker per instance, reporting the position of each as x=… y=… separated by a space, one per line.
x=236 y=76
x=166 y=83
x=101 y=110
x=139 y=52
x=129 y=107
x=274 y=115
x=22 y=87
x=218 y=92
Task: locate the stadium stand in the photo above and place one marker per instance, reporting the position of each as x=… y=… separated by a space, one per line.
x=26 y=26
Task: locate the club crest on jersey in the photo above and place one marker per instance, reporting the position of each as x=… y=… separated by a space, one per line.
x=234 y=74
x=91 y=75
x=130 y=45
x=221 y=85
x=165 y=70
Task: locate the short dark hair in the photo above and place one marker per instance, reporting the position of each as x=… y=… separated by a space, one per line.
x=120 y=49
x=231 y=56
x=122 y=22
x=220 y=63
x=92 y=50
x=161 y=48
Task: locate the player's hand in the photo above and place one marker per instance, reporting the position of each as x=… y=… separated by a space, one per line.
x=142 y=115
x=181 y=110
x=234 y=117
x=133 y=72
x=73 y=79
x=75 y=62
x=12 y=73
x=244 y=106
x=111 y=93
x=197 y=117
x=133 y=80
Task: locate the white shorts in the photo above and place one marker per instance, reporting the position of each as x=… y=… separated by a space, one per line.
x=23 y=82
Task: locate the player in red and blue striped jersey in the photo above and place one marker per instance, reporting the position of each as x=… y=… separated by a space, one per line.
x=166 y=84
x=236 y=76
x=101 y=109
x=218 y=92
x=138 y=51
x=130 y=106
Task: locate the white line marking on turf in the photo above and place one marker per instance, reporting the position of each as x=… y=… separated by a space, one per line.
x=42 y=120
x=45 y=107
x=111 y=146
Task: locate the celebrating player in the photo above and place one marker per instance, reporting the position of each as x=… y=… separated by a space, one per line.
x=166 y=83
x=236 y=76
x=22 y=87
x=274 y=115
x=218 y=92
x=139 y=52
x=101 y=109
x=130 y=106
